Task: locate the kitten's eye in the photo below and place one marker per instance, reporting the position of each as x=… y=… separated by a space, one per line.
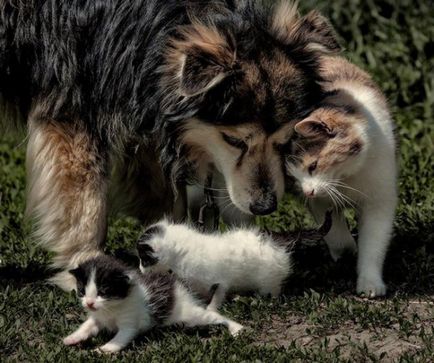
x=233 y=141
x=312 y=167
x=80 y=291
x=103 y=291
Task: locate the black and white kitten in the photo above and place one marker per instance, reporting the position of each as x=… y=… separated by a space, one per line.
x=237 y=261
x=126 y=302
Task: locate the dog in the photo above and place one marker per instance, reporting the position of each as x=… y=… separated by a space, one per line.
x=137 y=98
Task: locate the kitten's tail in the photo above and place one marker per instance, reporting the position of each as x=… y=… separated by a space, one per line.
x=290 y=239
x=327 y=224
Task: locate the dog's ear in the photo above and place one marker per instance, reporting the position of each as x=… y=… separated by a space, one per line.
x=201 y=59
x=312 y=31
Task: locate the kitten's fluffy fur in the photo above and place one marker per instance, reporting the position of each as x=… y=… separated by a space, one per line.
x=240 y=260
x=126 y=302
x=345 y=155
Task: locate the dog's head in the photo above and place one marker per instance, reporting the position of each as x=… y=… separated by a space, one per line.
x=236 y=83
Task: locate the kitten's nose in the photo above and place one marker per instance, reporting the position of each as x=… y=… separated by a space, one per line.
x=90 y=305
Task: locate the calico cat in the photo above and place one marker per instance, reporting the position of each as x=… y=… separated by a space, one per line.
x=127 y=302
x=344 y=154
x=240 y=260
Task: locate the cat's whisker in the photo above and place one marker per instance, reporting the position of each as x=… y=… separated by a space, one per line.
x=344 y=198
x=332 y=197
x=346 y=186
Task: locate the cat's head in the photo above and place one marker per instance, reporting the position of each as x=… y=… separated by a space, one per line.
x=101 y=281
x=330 y=145
x=152 y=257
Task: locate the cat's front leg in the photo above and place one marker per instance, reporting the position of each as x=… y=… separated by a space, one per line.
x=88 y=329
x=376 y=224
x=123 y=337
x=339 y=238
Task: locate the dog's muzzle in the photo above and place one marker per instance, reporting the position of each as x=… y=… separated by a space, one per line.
x=265 y=205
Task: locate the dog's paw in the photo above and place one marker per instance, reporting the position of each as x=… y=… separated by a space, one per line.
x=371 y=287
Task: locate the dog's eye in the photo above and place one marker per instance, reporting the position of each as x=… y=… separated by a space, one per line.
x=312 y=167
x=233 y=141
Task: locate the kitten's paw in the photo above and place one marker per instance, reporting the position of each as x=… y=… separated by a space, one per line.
x=73 y=339
x=109 y=348
x=235 y=329
x=212 y=307
x=371 y=286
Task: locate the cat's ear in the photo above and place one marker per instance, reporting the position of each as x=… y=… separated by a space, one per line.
x=202 y=59
x=313 y=128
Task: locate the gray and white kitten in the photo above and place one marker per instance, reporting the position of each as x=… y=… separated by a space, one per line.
x=126 y=302
x=240 y=260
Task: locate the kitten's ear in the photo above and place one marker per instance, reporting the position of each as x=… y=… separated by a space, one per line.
x=76 y=272
x=146 y=254
x=312 y=31
x=202 y=59
x=313 y=128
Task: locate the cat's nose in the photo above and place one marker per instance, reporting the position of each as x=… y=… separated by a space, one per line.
x=309 y=193
x=90 y=304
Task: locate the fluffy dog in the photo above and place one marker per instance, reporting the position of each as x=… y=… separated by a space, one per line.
x=137 y=97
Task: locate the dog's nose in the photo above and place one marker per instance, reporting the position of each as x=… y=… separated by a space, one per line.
x=264 y=206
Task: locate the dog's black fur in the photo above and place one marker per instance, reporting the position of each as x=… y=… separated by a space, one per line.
x=111 y=68
x=92 y=59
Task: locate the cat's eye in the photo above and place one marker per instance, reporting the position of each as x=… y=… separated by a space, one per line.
x=312 y=167
x=235 y=142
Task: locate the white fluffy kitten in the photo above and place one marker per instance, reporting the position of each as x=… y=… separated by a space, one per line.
x=240 y=260
x=345 y=155
x=127 y=302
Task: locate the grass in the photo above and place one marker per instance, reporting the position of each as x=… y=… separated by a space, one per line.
x=319 y=318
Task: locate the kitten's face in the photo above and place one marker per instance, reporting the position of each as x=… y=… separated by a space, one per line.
x=330 y=146
x=101 y=282
x=146 y=246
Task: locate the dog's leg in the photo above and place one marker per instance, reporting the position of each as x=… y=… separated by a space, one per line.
x=66 y=193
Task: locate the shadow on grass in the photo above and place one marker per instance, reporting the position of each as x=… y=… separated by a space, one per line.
x=18 y=276
x=409 y=267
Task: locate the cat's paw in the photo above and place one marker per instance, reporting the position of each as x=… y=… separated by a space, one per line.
x=73 y=339
x=235 y=329
x=371 y=286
